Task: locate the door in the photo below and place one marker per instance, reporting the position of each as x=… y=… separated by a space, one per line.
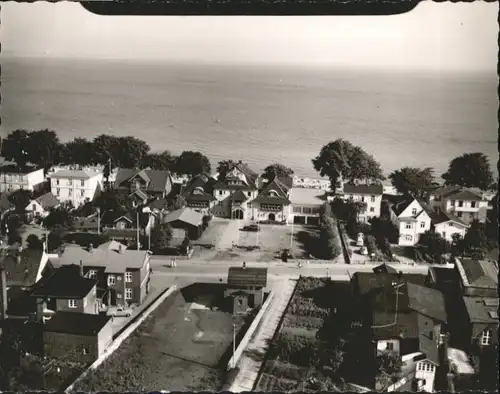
x=272 y=217
x=238 y=214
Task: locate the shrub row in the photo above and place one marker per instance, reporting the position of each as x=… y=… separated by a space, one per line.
x=329 y=238
x=306 y=307
x=294 y=321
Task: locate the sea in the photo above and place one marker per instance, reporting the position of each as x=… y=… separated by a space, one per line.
x=255 y=113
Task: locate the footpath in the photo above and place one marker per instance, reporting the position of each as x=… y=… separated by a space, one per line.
x=253 y=356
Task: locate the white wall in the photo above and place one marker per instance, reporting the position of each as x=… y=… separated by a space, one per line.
x=373 y=204
x=14 y=181
x=224 y=210
x=410 y=230
x=447 y=229
x=69 y=189
x=382 y=346
x=427 y=371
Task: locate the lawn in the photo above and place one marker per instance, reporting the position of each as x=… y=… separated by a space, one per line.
x=181 y=346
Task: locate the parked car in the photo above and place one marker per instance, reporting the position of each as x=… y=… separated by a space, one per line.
x=363 y=251
x=360 y=240
x=251 y=227
x=119 y=311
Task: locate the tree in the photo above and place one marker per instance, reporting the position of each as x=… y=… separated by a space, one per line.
x=20 y=199
x=192 y=163
x=58 y=218
x=44 y=148
x=342 y=159
x=435 y=245
x=161 y=236
x=131 y=152
x=33 y=242
x=15 y=147
x=54 y=241
x=388 y=363
x=222 y=168
x=80 y=151
x=163 y=161
x=276 y=170
x=475 y=240
x=470 y=170
x=413 y=181
x=492 y=221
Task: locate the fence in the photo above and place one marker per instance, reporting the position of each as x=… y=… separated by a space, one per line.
x=248 y=335
x=345 y=246
x=124 y=335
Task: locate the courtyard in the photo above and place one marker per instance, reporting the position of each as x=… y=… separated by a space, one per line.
x=181 y=346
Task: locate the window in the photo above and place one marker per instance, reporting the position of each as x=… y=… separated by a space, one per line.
x=249 y=205
x=220 y=192
x=57 y=182
x=408 y=225
x=362 y=199
x=408 y=237
x=92 y=274
x=460 y=203
x=431 y=335
x=111 y=280
x=486 y=337
x=351 y=196
x=82 y=183
x=389 y=346
x=128 y=294
x=297 y=209
x=70 y=192
x=249 y=194
x=72 y=303
x=85 y=351
x=373 y=198
x=450 y=224
x=119 y=295
x=414 y=211
x=459 y=214
x=33 y=207
x=452 y=203
x=82 y=193
x=473 y=204
x=128 y=277
x=422 y=224
x=443 y=234
x=372 y=209
x=220 y=203
x=58 y=192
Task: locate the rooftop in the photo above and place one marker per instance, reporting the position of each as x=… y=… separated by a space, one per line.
x=65 y=282
x=247 y=277
x=115 y=261
x=47 y=200
x=478 y=273
x=186 y=215
x=427 y=301
x=14 y=169
x=22 y=268
x=75 y=174
x=307 y=196
x=466 y=195
x=350 y=188
x=84 y=324
x=156 y=180
x=482 y=309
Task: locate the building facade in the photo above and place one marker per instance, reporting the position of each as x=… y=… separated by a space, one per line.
x=465 y=204
x=411 y=220
x=272 y=204
x=11 y=179
x=306 y=205
x=369 y=195
x=150 y=183
x=76 y=186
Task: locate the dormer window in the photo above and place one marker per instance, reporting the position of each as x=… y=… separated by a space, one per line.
x=414 y=211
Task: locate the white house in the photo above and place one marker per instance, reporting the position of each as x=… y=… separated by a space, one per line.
x=306 y=205
x=40 y=206
x=411 y=220
x=76 y=186
x=11 y=178
x=371 y=195
x=446 y=224
x=466 y=204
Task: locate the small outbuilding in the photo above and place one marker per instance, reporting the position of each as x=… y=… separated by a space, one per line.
x=186 y=219
x=245 y=286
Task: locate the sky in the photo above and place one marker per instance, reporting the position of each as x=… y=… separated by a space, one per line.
x=433 y=36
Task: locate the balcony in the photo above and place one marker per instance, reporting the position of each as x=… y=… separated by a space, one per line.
x=271 y=207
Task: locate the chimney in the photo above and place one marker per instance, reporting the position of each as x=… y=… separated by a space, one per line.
x=81 y=268
x=3 y=294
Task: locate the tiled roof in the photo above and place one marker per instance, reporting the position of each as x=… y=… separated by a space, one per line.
x=47 y=201
x=250 y=175
x=427 y=301
x=478 y=273
x=65 y=282
x=350 y=188
x=199 y=186
x=186 y=215
x=238 y=195
x=140 y=194
x=441 y=216
x=400 y=206
x=443 y=191
x=24 y=272
x=247 y=277
x=113 y=260
x=479 y=309
x=365 y=282
x=84 y=324
x=75 y=174
x=465 y=195
x=157 y=179
x=277 y=186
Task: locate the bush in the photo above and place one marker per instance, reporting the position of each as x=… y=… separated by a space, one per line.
x=86 y=239
x=329 y=238
x=33 y=242
x=301 y=351
x=297 y=321
x=306 y=307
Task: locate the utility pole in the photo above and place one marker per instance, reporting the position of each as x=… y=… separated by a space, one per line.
x=137 y=225
x=98 y=220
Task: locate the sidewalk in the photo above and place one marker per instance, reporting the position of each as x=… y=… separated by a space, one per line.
x=253 y=356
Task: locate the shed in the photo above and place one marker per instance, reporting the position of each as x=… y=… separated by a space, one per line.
x=246 y=287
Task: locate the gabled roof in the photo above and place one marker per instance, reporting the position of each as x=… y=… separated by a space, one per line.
x=47 y=201
x=249 y=174
x=427 y=301
x=200 y=186
x=74 y=323
x=400 y=206
x=443 y=191
x=158 y=180
x=112 y=245
x=139 y=193
x=466 y=195
x=186 y=215
x=384 y=269
x=65 y=282
x=75 y=174
x=278 y=185
x=238 y=195
x=22 y=272
x=365 y=282
x=307 y=196
x=440 y=216
x=143 y=175
x=479 y=309
x=478 y=273
x=115 y=261
x=350 y=188
x=159 y=204
x=246 y=277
